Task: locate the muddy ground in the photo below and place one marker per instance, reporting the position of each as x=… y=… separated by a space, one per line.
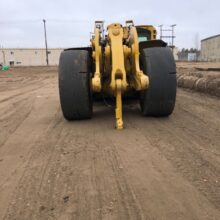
x=156 y=168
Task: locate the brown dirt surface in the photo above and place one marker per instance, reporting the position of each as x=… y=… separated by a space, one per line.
x=156 y=168
x=193 y=65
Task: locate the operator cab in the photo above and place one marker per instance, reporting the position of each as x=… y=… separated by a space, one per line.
x=143 y=34
x=146 y=33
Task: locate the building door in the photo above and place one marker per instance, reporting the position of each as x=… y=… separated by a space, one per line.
x=11 y=63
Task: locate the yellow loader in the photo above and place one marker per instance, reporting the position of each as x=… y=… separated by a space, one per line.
x=121 y=60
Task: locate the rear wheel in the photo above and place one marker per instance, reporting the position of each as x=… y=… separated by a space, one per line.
x=74 y=84
x=159 y=99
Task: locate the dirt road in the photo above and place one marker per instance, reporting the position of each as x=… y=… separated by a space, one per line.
x=156 y=168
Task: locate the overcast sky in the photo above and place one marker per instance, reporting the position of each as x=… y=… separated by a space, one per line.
x=70 y=22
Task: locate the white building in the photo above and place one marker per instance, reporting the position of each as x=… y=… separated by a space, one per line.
x=36 y=56
x=192 y=57
x=210 y=48
x=29 y=56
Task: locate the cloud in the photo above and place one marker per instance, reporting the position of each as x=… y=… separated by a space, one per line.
x=69 y=23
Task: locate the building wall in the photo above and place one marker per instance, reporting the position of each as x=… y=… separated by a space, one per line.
x=29 y=57
x=36 y=56
x=210 y=49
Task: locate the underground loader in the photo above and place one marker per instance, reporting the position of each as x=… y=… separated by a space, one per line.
x=121 y=60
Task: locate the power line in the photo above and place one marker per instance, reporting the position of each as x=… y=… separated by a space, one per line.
x=40 y=20
x=19 y=21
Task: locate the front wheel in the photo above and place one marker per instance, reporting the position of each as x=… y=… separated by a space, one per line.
x=159 y=99
x=74 y=84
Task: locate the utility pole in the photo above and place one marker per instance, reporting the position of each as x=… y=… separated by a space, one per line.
x=161 y=31
x=45 y=36
x=172 y=26
x=168 y=36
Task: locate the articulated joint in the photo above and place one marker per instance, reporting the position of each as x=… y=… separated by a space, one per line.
x=144 y=81
x=96 y=83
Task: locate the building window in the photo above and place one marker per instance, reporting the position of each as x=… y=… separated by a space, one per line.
x=11 y=52
x=36 y=52
x=49 y=52
x=11 y=63
x=18 y=62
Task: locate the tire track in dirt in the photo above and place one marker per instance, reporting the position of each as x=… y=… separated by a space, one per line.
x=128 y=200
x=16 y=108
x=186 y=150
x=154 y=169
x=31 y=183
x=84 y=161
x=31 y=87
x=14 y=118
x=24 y=128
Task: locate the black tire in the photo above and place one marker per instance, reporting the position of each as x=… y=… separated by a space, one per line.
x=74 y=84
x=159 y=99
